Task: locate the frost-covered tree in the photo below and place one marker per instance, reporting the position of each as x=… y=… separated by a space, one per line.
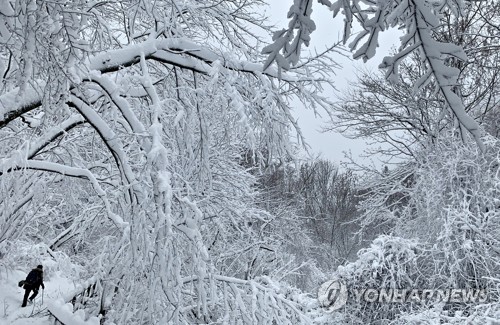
x=394 y=114
x=442 y=213
x=447 y=199
x=446 y=204
x=123 y=126
x=419 y=19
x=322 y=200
x=390 y=114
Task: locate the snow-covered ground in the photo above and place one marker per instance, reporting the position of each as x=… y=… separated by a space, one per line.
x=11 y=296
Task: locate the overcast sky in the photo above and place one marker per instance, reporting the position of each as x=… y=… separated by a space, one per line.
x=328 y=30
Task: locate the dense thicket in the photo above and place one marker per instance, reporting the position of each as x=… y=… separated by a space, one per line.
x=317 y=204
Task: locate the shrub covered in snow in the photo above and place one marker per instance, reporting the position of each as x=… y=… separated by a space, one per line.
x=389 y=263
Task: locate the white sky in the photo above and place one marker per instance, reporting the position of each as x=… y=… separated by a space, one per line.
x=331 y=145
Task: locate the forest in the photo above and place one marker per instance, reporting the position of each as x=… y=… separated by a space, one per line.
x=149 y=161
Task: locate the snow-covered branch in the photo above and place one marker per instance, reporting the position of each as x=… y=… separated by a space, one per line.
x=14 y=165
x=180 y=53
x=52 y=134
x=418 y=18
x=108 y=136
x=16 y=102
x=239 y=291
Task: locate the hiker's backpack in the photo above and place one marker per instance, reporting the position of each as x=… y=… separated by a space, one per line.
x=33 y=277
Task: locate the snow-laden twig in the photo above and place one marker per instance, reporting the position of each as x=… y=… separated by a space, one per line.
x=108 y=136
x=182 y=53
x=113 y=92
x=257 y=292
x=71 y=172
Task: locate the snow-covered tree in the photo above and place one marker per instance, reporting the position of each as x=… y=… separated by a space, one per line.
x=123 y=127
x=446 y=202
x=391 y=115
x=419 y=19
x=316 y=203
x=394 y=114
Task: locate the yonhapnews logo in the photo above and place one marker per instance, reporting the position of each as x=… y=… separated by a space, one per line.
x=333 y=295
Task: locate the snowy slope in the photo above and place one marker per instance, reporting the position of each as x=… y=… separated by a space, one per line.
x=11 y=297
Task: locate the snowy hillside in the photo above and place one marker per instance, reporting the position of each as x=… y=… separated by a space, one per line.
x=44 y=308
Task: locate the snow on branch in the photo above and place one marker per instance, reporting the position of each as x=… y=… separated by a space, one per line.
x=417 y=18
x=434 y=53
x=33 y=148
x=122 y=104
x=178 y=52
x=15 y=103
x=285 y=41
x=54 y=133
x=64 y=314
x=239 y=294
x=107 y=135
x=19 y=164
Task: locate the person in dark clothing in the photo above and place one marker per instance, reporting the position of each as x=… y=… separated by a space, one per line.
x=32 y=283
